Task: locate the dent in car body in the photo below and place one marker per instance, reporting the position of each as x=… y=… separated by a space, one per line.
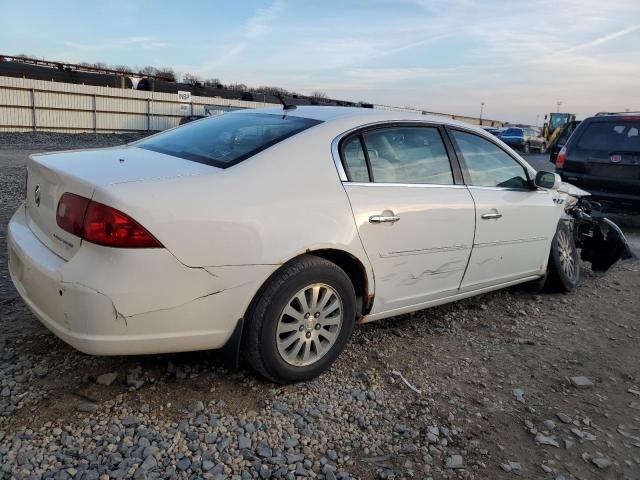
x=601 y=241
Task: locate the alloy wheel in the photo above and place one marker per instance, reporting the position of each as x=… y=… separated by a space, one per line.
x=309 y=324
x=565 y=251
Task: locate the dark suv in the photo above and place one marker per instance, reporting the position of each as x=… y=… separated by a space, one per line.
x=524 y=139
x=602 y=156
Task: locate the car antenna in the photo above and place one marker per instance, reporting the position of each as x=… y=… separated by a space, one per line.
x=285 y=106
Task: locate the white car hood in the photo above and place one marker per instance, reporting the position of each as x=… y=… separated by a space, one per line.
x=572 y=190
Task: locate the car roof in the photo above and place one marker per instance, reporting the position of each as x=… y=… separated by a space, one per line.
x=358 y=114
x=615 y=117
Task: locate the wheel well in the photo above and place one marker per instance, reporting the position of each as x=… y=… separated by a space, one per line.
x=356 y=273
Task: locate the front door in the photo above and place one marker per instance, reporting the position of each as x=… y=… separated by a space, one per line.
x=515 y=222
x=415 y=222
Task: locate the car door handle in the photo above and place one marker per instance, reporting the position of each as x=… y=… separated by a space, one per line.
x=489 y=216
x=384 y=219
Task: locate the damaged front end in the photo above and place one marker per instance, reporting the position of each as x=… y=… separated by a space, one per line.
x=601 y=241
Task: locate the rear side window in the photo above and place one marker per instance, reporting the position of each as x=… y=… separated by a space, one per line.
x=354 y=160
x=488 y=165
x=610 y=137
x=227 y=139
x=408 y=155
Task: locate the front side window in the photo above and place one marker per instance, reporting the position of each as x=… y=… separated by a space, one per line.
x=228 y=139
x=487 y=164
x=408 y=155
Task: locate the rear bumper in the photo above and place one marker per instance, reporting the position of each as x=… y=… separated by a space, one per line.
x=617 y=200
x=123 y=302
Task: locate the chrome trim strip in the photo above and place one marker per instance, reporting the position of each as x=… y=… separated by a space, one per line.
x=412 y=185
x=508 y=189
x=509 y=242
x=403 y=253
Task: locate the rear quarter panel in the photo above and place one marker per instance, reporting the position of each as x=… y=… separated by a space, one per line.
x=274 y=206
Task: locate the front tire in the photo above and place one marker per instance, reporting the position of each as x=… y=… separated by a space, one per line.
x=300 y=321
x=563 y=270
x=526 y=148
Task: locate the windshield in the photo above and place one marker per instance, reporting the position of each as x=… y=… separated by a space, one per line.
x=512 y=132
x=610 y=137
x=558 y=120
x=228 y=139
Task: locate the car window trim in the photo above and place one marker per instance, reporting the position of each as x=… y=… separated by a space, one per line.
x=465 y=171
x=338 y=150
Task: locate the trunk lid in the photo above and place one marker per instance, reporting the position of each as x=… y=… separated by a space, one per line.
x=81 y=172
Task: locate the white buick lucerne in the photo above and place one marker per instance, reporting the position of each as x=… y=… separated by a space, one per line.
x=272 y=232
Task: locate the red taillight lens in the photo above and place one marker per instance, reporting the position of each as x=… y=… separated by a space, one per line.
x=101 y=224
x=562 y=157
x=70 y=213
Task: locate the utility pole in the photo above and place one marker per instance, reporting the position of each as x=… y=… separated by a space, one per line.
x=481 y=110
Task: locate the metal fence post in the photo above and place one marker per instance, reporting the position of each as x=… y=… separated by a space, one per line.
x=148 y=114
x=95 y=115
x=33 y=110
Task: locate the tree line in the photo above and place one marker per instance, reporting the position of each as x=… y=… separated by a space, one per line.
x=170 y=75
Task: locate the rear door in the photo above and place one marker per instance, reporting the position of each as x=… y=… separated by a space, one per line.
x=414 y=215
x=514 y=222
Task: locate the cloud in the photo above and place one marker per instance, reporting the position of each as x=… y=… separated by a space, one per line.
x=145 y=43
x=260 y=23
x=600 y=40
x=385 y=75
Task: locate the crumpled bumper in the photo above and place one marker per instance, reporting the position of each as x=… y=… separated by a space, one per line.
x=121 y=302
x=601 y=241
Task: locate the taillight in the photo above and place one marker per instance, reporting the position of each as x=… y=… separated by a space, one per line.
x=562 y=157
x=70 y=213
x=101 y=224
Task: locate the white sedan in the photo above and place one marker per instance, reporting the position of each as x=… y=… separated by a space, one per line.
x=272 y=232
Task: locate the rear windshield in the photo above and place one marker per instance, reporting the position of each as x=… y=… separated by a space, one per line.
x=228 y=139
x=512 y=132
x=610 y=137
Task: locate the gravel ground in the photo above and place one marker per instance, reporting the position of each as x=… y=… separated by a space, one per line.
x=493 y=390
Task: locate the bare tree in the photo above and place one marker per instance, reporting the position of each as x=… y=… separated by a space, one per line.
x=212 y=82
x=167 y=73
x=272 y=90
x=191 y=79
x=148 y=70
x=318 y=95
x=238 y=87
x=100 y=65
x=123 y=69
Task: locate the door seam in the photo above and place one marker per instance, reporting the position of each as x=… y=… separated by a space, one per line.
x=473 y=242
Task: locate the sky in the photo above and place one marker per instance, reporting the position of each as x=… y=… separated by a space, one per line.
x=518 y=57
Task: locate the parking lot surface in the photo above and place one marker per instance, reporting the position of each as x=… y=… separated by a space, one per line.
x=492 y=390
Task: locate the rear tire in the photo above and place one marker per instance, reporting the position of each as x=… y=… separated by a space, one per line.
x=563 y=270
x=300 y=321
x=543 y=147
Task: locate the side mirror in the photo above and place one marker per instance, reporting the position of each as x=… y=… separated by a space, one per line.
x=547 y=180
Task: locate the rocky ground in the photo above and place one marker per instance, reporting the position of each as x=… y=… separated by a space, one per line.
x=506 y=385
